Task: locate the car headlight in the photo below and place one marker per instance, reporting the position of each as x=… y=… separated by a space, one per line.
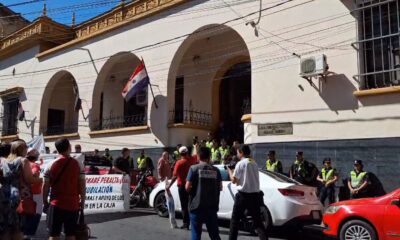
x=332 y=209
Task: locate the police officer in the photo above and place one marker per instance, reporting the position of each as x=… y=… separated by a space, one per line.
x=327 y=177
x=224 y=149
x=246 y=176
x=141 y=161
x=272 y=164
x=358 y=181
x=303 y=171
x=204 y=184
x=215 y=154
x=210 y=139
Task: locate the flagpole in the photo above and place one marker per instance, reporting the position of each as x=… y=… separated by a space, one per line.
x=151 y=89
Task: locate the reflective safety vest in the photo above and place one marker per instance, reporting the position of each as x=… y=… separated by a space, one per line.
x=209 y=144
x=327 y=174
x=215 y=154
x=273 y=167
x=141 y=162
x=224 y=152
x=356 y=181
x=176 y=155
x=300 y=168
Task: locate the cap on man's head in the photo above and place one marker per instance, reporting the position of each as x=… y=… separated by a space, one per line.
x=271 y=152
x=358 y=162
x=327 y=160
x=183 y=149
x=299 y=153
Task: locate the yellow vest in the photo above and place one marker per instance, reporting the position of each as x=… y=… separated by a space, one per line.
x=223 y=152
x=214 y=155
x=356 y=180
x=273 y=167
x=141 y=162
x=327 y=174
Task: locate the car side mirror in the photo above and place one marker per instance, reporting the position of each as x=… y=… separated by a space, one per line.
x=395 y=202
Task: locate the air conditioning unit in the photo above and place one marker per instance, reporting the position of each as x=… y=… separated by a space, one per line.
x=313 y=66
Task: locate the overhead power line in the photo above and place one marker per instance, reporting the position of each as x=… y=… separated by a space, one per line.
x=162 y=42
x=22 y=3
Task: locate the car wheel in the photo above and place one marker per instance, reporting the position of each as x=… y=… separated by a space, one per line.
x=160 y=205
x=357 y=230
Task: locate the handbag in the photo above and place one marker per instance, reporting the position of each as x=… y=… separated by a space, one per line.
x=82 y=230
x=27 y=206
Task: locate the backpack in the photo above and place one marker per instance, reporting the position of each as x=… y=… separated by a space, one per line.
x=10 y=181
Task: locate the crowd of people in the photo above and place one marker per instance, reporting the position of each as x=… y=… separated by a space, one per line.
x=24 y=195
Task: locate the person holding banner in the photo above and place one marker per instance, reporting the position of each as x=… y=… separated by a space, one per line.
x=65 y=176
x=121 y=164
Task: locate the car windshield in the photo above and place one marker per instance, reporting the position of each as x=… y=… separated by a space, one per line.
x=279 y=177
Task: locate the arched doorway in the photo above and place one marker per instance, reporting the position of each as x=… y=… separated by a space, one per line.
x=59 y=113
x=109 y=109
x=234 y=101
x=197 y=74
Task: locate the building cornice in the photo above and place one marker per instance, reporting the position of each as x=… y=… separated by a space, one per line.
x=43 y=32
x=118 y=17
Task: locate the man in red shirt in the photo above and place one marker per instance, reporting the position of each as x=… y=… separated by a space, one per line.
x=180 y=173
x=66 y=178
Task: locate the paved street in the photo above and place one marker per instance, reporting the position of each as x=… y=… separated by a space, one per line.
x=143 y=224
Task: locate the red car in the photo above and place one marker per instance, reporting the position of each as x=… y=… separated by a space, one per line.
x=365 y=219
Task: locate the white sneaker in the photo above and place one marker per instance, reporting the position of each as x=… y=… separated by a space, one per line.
x=174 y=226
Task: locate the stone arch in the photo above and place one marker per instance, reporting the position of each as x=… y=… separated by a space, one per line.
x=202 y=60
x=109 y=109
x=57 y=113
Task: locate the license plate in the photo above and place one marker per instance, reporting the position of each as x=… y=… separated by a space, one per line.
x=316 y=215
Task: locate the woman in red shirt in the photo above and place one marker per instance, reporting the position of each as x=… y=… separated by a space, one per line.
x=31 y=222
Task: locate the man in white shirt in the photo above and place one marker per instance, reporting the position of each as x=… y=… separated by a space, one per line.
x=246 y=176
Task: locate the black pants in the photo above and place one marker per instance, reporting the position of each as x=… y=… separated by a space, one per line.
x=327 y=192
x=184 y=198
x=57 y=218
x=251 y=202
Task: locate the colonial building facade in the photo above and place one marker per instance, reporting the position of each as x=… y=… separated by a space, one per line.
x=229 y=67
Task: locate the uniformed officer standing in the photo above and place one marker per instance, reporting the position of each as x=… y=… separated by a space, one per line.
x=246 y=176
x=303 y=171
x=327 y=177
x=204 y=184
x=358 y=181
x=272 y=164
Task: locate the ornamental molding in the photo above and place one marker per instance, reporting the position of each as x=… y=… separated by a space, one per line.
x=53 y=37
x=120 y=16
x=42 y=30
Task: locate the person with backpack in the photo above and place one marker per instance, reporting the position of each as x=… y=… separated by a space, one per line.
x=65 y=178
x=14 y=191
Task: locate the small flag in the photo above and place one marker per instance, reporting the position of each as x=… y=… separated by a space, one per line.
x=137 y=82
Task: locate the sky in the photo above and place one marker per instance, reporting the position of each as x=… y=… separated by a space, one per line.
x=61 y=10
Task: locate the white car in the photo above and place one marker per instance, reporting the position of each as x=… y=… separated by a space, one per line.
x=287 y=202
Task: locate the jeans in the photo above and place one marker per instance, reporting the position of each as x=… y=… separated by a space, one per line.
x=184 y=199
x=251 y=202
x=327 y=192
x=210 y=218
x=30 y=224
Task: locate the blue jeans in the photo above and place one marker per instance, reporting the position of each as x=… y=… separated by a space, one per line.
x=210 y=218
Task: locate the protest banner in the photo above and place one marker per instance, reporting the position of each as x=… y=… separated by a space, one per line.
x=104 y=193
x=107 y=193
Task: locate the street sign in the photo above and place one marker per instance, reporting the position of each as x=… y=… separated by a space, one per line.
x=270 y=129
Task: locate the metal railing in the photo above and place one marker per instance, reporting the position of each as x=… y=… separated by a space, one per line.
x=378 y=43
x=119 y=122
x=195 y=117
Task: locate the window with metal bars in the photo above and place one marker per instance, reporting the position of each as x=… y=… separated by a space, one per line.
x=379 y=34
